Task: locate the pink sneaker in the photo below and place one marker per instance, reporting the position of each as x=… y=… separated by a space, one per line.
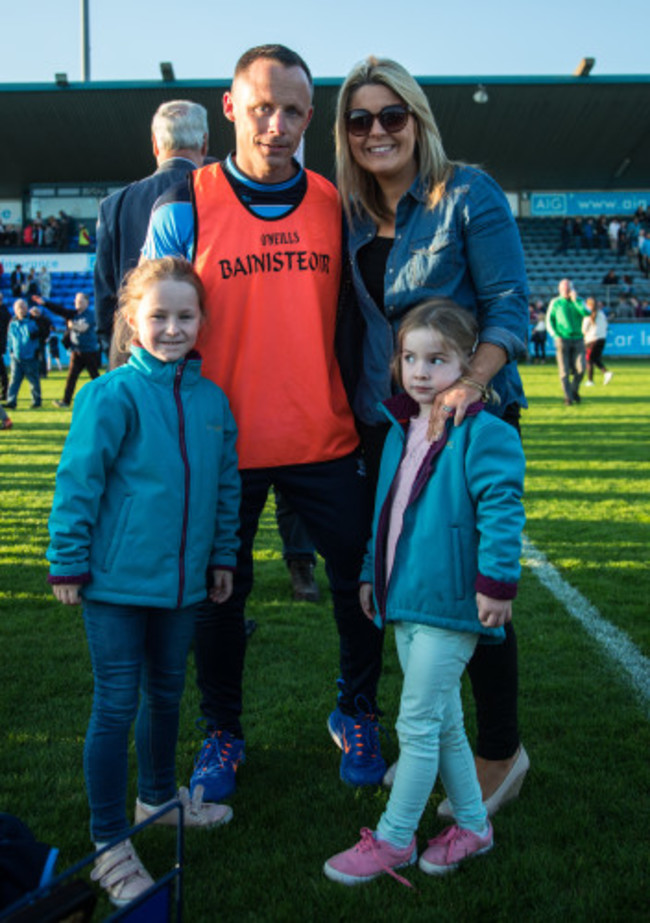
x=447 y=850
x=369 y=859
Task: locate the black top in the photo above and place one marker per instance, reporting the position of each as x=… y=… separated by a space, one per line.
x=372 y=266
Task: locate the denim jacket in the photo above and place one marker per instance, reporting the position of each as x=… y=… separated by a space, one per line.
x=468 y=249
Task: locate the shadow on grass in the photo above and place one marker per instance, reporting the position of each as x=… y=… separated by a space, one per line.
x=22 y=426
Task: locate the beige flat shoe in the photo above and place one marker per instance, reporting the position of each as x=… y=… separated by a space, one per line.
x=389 y=775
x=507 y=791
x=196 y=812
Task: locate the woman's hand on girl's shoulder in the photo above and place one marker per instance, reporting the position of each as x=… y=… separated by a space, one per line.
x=453 y=402
x=493 y=613
x=67 y=593
x=366 y=601
x=221 y=589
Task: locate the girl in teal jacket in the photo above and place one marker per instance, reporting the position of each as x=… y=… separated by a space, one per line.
x=145 y=517
x=443 y=565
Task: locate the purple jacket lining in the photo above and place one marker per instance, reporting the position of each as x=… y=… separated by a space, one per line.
x=402 y=407
x=82 y=578
x=495 y=589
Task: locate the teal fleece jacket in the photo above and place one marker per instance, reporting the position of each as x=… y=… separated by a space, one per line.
x=147 y=491
x=22 y=337
x=462 y=526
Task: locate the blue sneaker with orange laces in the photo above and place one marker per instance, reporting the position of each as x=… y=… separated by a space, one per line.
x=358 y=737
x=216 y=765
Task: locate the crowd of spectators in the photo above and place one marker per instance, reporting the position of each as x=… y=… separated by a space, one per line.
x=34 y=341
x=28 y=283
x=35 y=287
x=629 y=304
x=617 y=236
x=60 y=233
x=629 y=308
x=614 y=239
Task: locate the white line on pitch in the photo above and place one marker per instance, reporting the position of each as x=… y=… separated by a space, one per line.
x=616 y=643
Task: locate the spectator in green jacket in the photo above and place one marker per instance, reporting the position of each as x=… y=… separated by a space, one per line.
x=564 y=323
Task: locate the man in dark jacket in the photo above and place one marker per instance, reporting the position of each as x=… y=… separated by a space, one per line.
x=5 y=319
x=179 y=137
x=44 y=325
x=17 y=280
x=84 y=345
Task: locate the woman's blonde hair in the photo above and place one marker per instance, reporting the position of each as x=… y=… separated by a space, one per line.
x=139 y=279
x=455 y=326
x=359 y=189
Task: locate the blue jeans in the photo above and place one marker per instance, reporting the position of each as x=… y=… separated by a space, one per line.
x=24 y=368
x=431 y=732
x=138 y=657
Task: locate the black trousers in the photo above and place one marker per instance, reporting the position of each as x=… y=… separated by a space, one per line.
x=79 y=362
x=594 y=352
x=493 y=669
x=296 y=543
x=332 y=500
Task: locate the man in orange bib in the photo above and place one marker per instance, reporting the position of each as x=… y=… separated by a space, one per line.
x=265 y=236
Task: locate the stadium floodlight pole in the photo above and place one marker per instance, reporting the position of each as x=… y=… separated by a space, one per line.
x=85 y=42
x=585 y=67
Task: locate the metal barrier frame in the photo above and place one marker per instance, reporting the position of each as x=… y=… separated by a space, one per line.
x=136 y=911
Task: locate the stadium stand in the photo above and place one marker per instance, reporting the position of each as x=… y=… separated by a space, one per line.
x=65 y=286
x=585 y=267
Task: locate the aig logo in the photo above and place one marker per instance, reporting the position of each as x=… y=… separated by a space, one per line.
x=551 y=204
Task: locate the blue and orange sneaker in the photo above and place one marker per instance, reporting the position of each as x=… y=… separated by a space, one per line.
x=216 y=765
x=358 y=737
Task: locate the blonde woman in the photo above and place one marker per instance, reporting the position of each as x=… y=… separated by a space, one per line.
x=420 y=226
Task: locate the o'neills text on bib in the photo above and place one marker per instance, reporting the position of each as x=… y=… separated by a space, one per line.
x=272 y=292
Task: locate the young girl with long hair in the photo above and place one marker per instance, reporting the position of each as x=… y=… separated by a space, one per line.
x=423 y=226
x=145 y=511
x=442 y=565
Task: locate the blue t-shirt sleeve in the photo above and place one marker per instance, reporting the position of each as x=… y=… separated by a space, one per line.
x=170 y=231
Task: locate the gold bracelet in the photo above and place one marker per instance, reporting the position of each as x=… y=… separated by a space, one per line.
x=485 y=390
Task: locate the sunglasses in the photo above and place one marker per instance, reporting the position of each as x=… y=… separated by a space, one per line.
x=392 y=119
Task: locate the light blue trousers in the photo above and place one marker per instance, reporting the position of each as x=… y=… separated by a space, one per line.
x=431 y=732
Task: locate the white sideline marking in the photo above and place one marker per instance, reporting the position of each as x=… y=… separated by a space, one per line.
x=616 y=643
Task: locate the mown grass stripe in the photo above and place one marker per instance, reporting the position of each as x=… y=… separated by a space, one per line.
x=615 y=642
